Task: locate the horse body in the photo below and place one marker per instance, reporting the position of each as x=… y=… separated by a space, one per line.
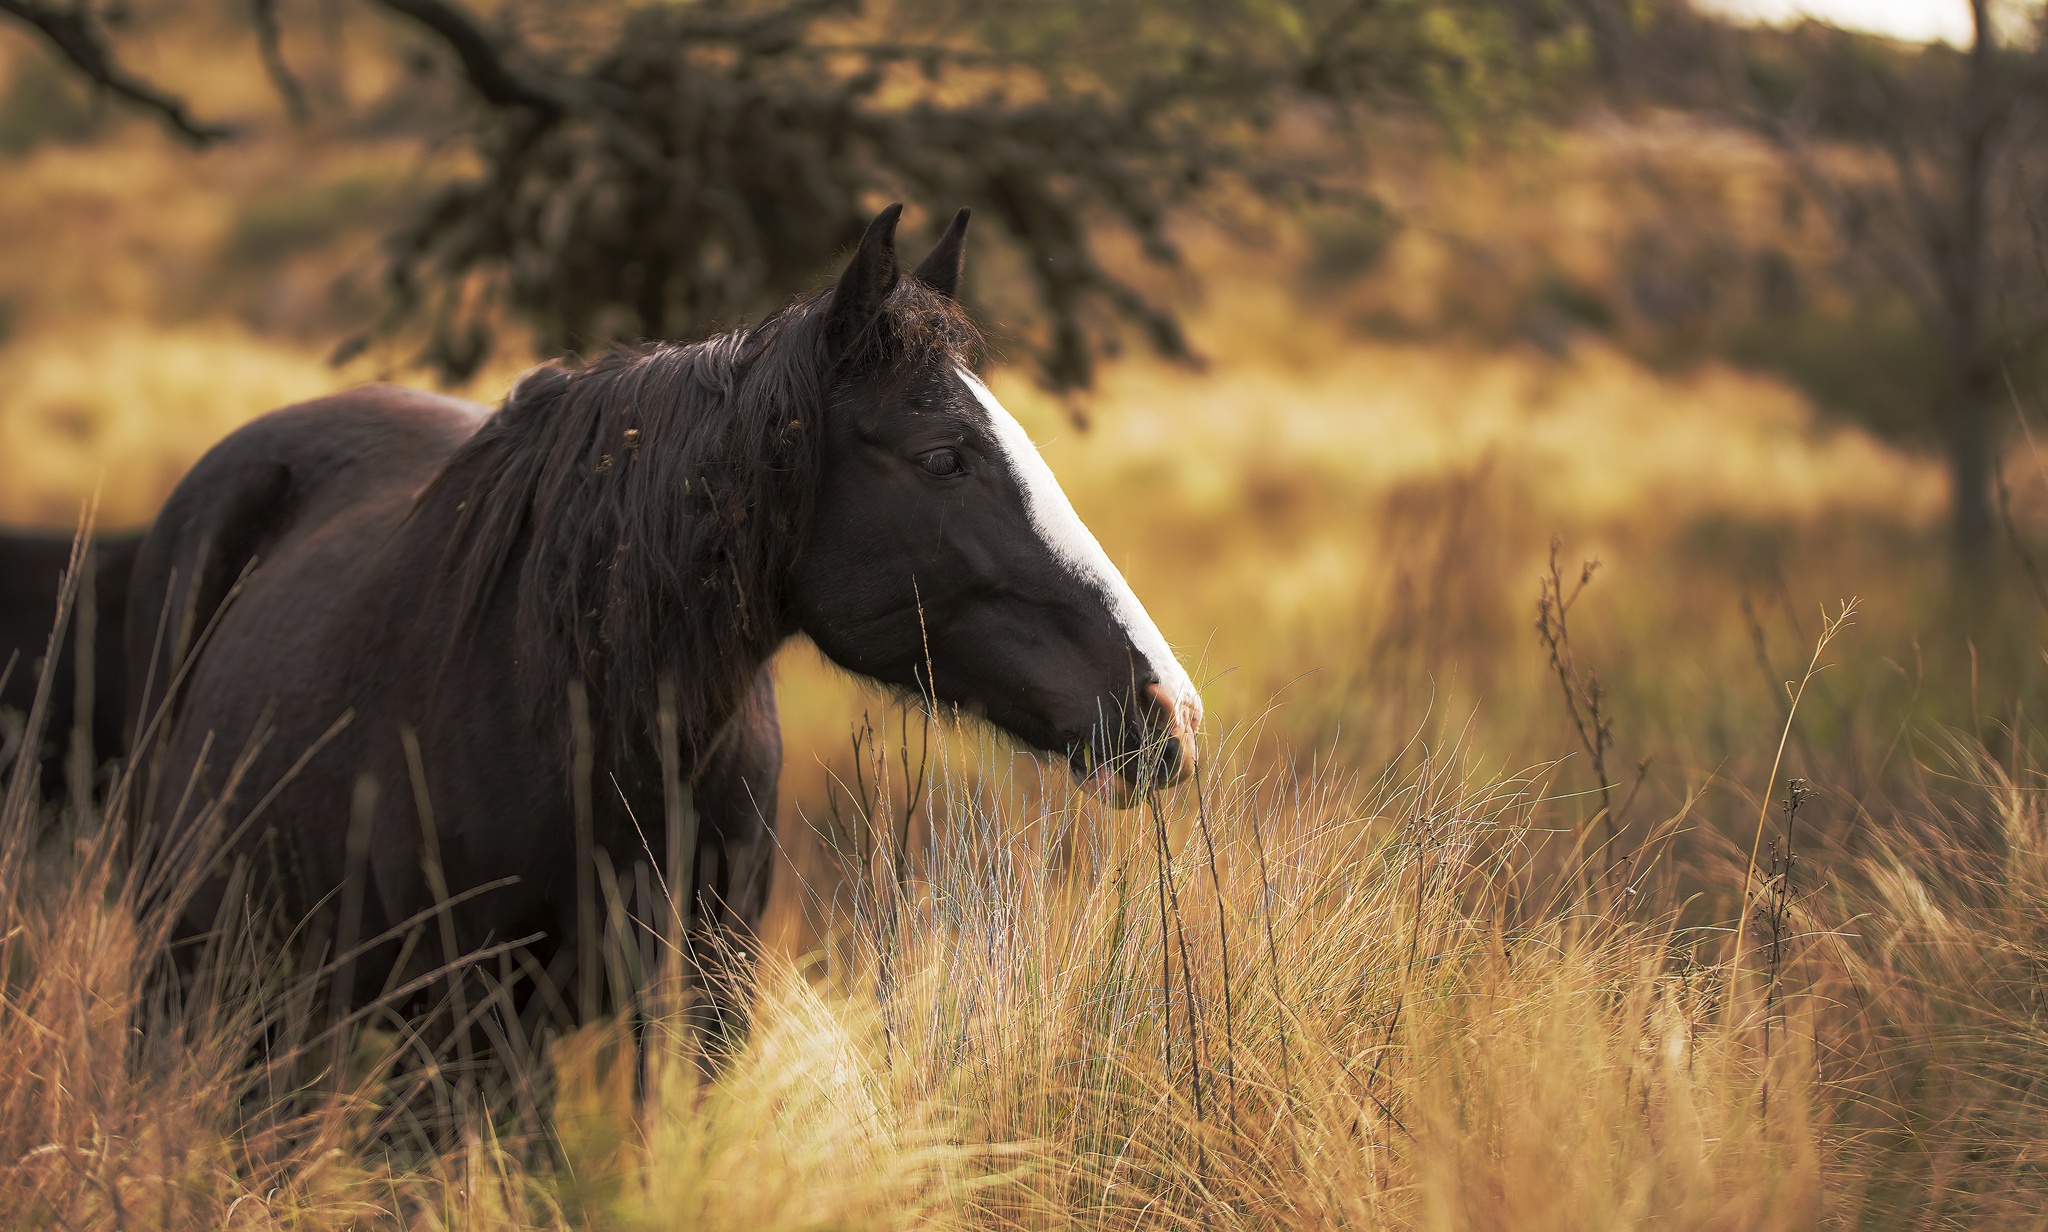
x=345 y=618
x=496 y=602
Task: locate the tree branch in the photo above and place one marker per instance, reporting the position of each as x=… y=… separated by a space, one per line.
x=270 y=42
x=485 y=65
x=76 y=37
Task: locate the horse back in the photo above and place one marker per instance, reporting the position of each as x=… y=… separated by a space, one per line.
x=277 y=479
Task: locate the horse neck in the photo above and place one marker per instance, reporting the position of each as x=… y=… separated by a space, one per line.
x=630 y=558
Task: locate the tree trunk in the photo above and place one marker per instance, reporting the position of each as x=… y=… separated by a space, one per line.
x=1972 y=445
x=1972 y=452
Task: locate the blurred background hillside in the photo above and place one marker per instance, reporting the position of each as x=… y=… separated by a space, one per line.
x=1329 y=412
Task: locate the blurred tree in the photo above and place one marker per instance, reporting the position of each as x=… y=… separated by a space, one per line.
x=1954 y=218
x=1926 y=162
x=652 y=168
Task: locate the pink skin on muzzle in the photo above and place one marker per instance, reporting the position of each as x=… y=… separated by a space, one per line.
x=1183 y=723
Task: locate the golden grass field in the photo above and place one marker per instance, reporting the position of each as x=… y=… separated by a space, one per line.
x=1386 y=966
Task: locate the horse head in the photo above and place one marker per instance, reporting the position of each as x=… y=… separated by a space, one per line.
x=942 y=556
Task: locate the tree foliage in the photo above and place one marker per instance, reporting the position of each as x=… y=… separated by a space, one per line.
x=654 y=169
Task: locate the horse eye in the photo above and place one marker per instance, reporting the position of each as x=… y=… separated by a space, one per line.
x=945 y=463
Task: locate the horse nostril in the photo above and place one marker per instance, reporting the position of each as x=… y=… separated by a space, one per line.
x=1170 y=759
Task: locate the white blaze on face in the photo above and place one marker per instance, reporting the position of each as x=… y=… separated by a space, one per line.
x=1075 y=547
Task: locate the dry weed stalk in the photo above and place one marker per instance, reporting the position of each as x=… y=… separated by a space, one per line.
x=1583 y=695
x=1774 y=917
x=1831 y=628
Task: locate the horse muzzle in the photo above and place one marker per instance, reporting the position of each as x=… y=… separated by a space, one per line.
x=1167 y=756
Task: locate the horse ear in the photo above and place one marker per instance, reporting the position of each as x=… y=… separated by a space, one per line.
x=865 y=283
x=940 y=270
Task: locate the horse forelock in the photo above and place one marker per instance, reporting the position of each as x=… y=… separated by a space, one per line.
x=642 y=511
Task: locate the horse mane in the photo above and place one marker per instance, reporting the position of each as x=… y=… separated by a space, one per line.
x=646 y=508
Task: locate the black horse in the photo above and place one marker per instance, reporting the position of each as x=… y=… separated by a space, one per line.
x=628 y=540
x=32 y=568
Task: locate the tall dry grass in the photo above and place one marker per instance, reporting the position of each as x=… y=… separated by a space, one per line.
x=1287 y=997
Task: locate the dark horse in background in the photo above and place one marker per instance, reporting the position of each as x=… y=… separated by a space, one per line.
x=428 y=598
x=85 y=698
